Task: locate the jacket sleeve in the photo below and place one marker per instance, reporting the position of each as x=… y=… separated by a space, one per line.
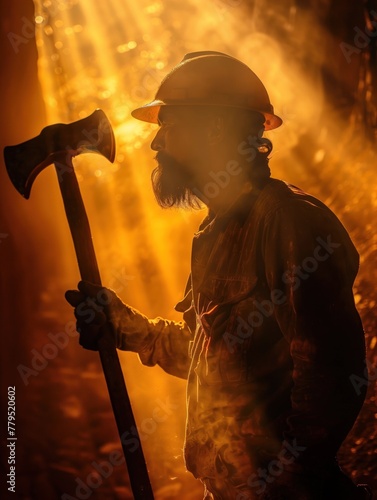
x=169 y=348
x=309 y=256
x=157 y=341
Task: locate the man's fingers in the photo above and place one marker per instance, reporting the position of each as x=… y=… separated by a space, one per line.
x=90 y=302
x=89 y=337
x=90 y=289
x=89 y=316
x=74 y=297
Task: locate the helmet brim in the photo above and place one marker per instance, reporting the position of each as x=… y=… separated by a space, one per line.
x=149 y=112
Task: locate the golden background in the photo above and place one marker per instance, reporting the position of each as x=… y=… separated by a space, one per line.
x=61 y=60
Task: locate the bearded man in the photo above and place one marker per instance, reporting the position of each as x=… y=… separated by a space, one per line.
x=270 y=336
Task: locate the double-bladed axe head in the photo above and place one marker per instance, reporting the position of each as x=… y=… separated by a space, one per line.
x=92 y=134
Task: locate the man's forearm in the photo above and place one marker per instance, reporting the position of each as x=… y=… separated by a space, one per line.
x=158 y=341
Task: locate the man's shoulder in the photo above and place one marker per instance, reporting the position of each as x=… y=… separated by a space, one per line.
x=284 y=204
x=287 y=205
x=281 y=195
x=279 y=191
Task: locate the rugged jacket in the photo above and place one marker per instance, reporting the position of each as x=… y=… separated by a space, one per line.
x=270 y=344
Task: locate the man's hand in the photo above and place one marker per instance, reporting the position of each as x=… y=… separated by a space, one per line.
x=94 y=305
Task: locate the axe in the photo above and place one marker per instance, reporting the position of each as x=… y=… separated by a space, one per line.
x=58 y=144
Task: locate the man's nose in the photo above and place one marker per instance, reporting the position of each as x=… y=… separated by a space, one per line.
x=158 y=142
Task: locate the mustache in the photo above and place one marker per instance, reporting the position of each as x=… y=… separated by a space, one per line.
x=166 y=161
x=160 y=156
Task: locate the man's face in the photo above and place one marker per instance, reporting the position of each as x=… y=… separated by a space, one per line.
x=179 y=145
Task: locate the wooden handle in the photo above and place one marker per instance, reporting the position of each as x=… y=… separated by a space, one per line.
x=82 y=239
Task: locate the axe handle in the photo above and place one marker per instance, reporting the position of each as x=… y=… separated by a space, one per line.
x=82 y=239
